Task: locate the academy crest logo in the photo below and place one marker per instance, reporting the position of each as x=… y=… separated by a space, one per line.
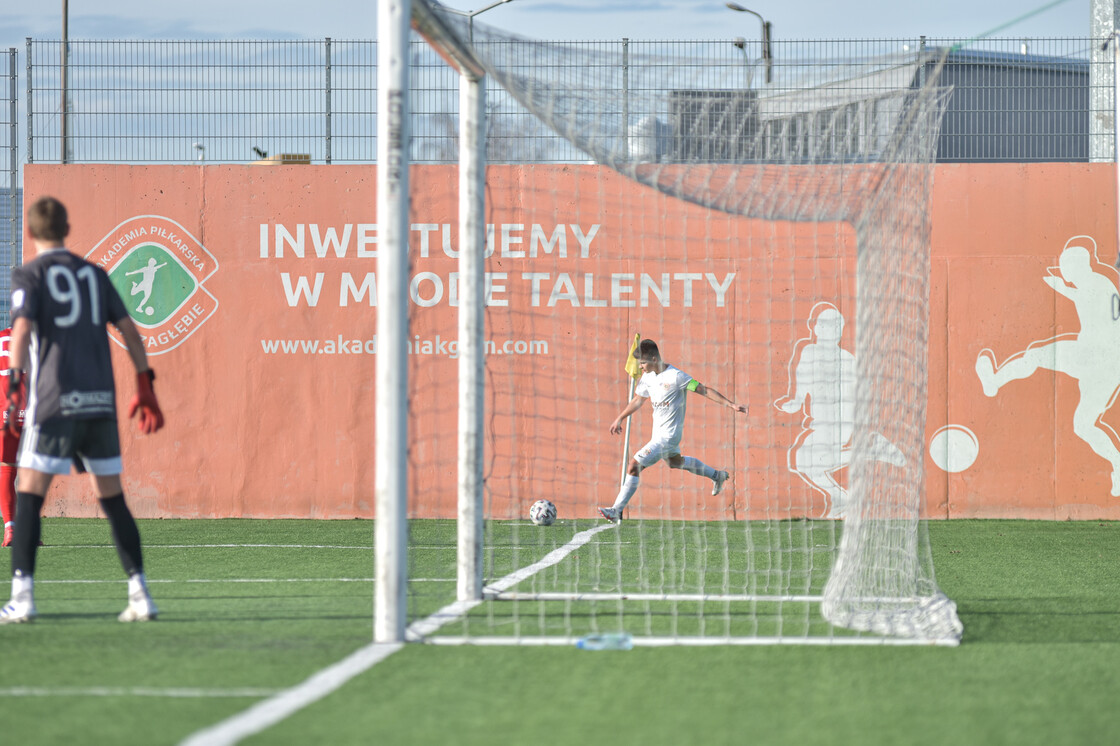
x=159 y=270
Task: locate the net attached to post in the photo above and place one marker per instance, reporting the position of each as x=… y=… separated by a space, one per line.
x=801 y=209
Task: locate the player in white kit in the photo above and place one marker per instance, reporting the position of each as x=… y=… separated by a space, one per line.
x=665 y=386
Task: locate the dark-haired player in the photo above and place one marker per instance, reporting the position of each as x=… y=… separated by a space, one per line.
x=665 y=386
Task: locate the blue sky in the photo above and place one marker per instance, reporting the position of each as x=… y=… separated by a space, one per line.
x=551 y=19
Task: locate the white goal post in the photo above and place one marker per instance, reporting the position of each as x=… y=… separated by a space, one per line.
x=391 y=416
x=394 y=21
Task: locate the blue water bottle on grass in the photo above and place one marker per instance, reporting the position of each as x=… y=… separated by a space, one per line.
x=606 y=641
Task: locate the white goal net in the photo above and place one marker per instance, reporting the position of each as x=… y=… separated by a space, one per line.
x=773 y=240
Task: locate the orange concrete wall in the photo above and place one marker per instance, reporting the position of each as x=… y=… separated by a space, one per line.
x=260 y=434
x=997 y=231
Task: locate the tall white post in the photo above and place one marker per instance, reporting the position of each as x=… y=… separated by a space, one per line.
x=1115 y=41
x=1102 y=123
x=472 y=244
x=391 y=435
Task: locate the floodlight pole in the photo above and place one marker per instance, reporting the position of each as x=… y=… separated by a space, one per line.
x=767 y=54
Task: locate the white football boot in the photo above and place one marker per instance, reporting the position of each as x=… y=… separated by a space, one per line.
x=20 y=609
x=610 y=515
x=141 y=608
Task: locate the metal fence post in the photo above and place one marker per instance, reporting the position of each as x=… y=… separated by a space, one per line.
x=328 y=100
x=13 y=162
x=30 y=108
x=626 y=99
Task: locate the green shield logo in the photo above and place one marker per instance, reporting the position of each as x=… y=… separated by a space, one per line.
x=152 y=283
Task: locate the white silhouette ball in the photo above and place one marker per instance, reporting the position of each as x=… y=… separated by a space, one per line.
x=954 y=448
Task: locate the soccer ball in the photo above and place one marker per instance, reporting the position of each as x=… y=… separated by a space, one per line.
x=543 y=513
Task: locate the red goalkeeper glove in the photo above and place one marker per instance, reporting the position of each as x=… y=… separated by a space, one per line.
x=151 y=418
x=16 y=402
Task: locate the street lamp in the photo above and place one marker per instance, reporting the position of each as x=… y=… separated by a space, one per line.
x=767 y=56
x=470 y=14
x=741 y=44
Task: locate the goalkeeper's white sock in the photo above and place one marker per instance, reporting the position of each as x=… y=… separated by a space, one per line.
x=137 y=584
x=696 y=466
x=629 y=487
x=23 y=586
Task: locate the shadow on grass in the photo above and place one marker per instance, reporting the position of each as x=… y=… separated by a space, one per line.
x=1039 y=620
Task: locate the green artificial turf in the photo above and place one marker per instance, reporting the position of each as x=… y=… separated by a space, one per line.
x=1038 y=663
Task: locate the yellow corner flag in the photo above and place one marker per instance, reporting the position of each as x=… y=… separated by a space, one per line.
x=632 y=363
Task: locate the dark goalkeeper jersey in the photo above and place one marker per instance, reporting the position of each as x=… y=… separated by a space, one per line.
x=69 y=301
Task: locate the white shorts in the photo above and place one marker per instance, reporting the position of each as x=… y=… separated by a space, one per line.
x=656 y=450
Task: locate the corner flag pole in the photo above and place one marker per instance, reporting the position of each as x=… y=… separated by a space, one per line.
x=633 y=373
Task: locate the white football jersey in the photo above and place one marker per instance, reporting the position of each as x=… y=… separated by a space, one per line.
x=666 y=391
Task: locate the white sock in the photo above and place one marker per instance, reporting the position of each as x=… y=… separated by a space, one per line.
x=629 y=487
x=22 y=584
x=137 y=584
x=696 y=466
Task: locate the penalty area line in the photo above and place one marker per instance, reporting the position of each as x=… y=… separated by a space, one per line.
x=269 y=712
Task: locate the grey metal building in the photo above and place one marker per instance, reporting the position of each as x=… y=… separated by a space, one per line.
x=1013 y=108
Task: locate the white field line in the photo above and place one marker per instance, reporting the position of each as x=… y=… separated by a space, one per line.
x=270 y=711
x=216 y=546
x=134 y=691
x=367 y=547
x=696 y=597
x=277 y=708
x=221 y=580
x=838 y=640
x=421 y=629
x=152 y=581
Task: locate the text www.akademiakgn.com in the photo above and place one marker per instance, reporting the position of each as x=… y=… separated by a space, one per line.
x=416 y=346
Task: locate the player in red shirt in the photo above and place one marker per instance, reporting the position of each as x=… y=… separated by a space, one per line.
x=10 y=449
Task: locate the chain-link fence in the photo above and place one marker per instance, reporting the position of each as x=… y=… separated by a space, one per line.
x=315 y=101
